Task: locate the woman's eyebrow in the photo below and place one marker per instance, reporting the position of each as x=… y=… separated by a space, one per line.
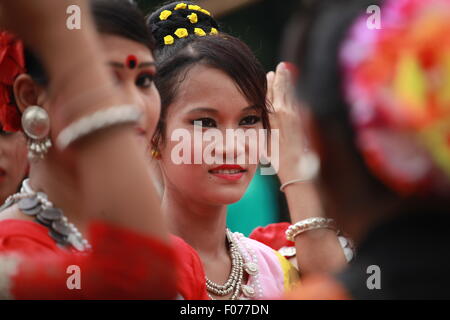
x=249 y=108
x=203 y=109
x=211 y=110
x=116 y=64
x=147 y=64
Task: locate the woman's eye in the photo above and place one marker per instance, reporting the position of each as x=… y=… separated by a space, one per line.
x=249 y=120
x=205 y=122
x=144 y=81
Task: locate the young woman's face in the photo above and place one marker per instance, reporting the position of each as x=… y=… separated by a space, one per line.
x=13 y=162
x=136 y=81
x=208 y=95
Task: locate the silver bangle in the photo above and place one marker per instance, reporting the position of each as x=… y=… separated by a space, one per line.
x=309 y=168
x=309 y=224
x=284 y=185
x=113 y=116
x=346 y=245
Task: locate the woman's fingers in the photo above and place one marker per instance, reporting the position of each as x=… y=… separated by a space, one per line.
x=280 y=86
x=292 y=75
x=270 y=79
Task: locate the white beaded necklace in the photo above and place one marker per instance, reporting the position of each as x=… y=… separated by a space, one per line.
x=233 y=284
x=242 y=261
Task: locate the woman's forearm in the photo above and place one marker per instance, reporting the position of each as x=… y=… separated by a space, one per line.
x=317 y=250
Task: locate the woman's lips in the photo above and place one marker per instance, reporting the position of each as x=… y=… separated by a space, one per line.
x=2 y=174
x=228 y=172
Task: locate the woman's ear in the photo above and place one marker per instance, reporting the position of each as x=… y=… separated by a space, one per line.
x=26 y=92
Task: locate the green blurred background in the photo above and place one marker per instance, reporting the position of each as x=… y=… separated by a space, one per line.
x=260 y=24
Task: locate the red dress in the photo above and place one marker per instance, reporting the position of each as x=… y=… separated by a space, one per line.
x=191 y=284
x=122 y=265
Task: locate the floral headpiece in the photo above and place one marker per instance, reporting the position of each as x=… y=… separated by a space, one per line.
x=193 y=18
x=12 y=63
x=397 y=84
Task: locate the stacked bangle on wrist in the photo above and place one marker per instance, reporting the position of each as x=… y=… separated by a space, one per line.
x=309 y=224
x=320 y=223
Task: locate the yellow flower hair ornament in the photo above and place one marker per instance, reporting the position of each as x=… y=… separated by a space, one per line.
x=181 y=33
x=184 y=6
x=194 y=7
x=199 y=32
x=205 y=12
x=165 y=14
x=193 y=18
x=180 y=6
x=168 y=40
x=213 y=31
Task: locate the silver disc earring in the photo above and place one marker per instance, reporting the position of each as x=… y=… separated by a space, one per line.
x=36 y=125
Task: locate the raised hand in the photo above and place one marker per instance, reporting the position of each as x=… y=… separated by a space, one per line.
x=287 y=117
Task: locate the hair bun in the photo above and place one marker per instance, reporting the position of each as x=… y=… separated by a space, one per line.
x=179 y=20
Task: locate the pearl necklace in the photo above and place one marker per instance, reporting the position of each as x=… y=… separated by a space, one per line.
x=234 y=282
x=37 y=205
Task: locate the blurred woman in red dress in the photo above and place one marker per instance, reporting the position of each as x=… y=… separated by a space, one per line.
x=379 y=100
x=84 y=203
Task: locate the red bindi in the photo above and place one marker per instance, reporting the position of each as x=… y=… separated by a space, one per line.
x=131 y=61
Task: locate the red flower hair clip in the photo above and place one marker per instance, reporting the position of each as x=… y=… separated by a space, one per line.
x=397 y=85
x=12 y=63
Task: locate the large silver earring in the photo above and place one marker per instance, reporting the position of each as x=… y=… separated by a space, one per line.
x=36 y=125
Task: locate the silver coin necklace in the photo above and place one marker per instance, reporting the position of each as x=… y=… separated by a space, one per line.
x=36 y=204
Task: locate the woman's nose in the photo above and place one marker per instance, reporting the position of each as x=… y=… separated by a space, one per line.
x=232 y=148
x=135 y=97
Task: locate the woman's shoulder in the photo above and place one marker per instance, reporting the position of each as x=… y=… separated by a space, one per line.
x=185 y=252
x=256 y=246
x=269 y=254
x=191 y=275
x=22 y=235
x=269 y=262
x=13 y=213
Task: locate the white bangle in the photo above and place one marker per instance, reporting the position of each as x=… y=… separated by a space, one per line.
x=117 y=115
x=309 y=168
x=284 y=185
x=309 y=224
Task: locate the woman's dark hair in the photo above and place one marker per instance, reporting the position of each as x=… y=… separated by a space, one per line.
x=222 y=52
x=178 y=19
x=116 y=17
x=323 y=26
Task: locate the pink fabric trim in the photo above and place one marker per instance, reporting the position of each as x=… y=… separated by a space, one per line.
x=270 y=275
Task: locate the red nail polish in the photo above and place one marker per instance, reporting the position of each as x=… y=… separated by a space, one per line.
x=295 y=73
